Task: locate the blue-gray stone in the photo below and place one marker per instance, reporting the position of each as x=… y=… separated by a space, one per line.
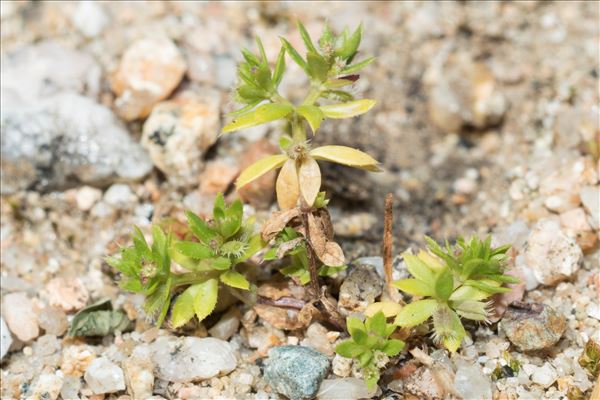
x=296 y=371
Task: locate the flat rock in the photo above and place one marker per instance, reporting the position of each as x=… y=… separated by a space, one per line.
x=191 y=359
x=18 y=312
x=360 y=289
x=104 y=376
x=551 y=254
x=533 y=326
x=296 y=371
x=64 y=140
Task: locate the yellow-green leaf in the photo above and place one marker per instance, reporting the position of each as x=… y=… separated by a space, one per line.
x=183 y=309
x=388 y=308
x=205 y=298
x=416 y=313
x=349 y=109
x=313 y=115
x=235 y=279
x=309 y=178
x=414 y=287
x=262 y=114
x=287 y=187
x=346 y=156
x=260 y=168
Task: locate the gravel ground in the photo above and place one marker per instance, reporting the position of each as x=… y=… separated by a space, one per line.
x=487 y=122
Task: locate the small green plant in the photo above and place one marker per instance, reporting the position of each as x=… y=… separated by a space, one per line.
x=210 y=250
x=370 y=344
x=454 y=282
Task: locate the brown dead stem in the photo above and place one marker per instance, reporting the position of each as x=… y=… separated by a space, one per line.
x=388 y=221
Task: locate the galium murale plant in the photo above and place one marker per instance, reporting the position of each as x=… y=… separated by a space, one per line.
x=453 y=282
x=212 y=252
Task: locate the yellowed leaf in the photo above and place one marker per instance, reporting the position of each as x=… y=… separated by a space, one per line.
x=287 y=186
x=260 y=168
x=349 y=109
x=309 y=176
x=333 y=255
x=389 y=309
x=277 y=222
x=346 y=156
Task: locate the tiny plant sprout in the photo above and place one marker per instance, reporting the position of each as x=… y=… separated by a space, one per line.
x=453 y=282
x=213 y=253
x=330 y=67
x=370 y=345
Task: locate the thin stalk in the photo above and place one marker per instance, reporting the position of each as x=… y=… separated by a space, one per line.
x=190 y=278
x=388 y=243
x=312 y=262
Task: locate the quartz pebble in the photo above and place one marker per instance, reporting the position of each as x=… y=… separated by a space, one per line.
x=149 y=71
x=178 y=133
x=119 y=195
x=316 y=337
x=90 y=18
x=5 y=338
x=86 y=197
x=533 y=326
x=188 y=359
x=345 y=389
x=296 y=371
x=68 y=294
x=227 y=326
x=18 y=312
x=590 y=197
x=552 y=255
x=139 y=376
x=471 y=382
x=47 y=386
x=545 y=375
x=341 y=366
x=104 y=376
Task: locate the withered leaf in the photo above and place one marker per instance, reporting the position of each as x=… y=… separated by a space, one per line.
x=309 y=176
x=333 y=255
x=287 y=186
x=277 y=222
x=99 y=319
x=324 y=220
x=287 y=246
x=317 y=236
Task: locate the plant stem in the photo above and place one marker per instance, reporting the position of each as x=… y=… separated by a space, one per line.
x=388 y=220
x=190 y=278
x=312 y=262
x=298 y=131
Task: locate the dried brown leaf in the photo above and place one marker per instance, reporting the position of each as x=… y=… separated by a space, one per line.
x=324 y=220
x=318 y=240
x=333 y=255
x=309 y=176
x=287 y=186
x=277 y=222
x=287 y=246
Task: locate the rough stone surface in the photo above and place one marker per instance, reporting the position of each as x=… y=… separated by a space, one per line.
x=545 y=375
x=18 y=312
x=177 y=134
x=151 y=68
x=5 y=338
x=552 y=255
x=67 y=294
x=227 y=326
x=533 y=326
x=104 y=376
x=139 y=376
x=360 y=289
x=471 y=382
x=53 y=320
x=296 y=371
x=190 y=359
x=64 y=140
x=47 y=386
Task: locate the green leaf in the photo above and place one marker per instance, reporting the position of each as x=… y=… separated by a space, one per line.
x=337 y=95
x=365 y=358
x=349 y=349
x=338 y=83
x=220 y=263
x=346 y=156
x=243 y=110
x=376 y=324
x=444 y=284
x=471 y=267
x=350 y=46
x=183 y=308
x=306 y=38
x=312 y=114
x=99 y=319
x=486 y=287
x=358 y=66
x=194 y=250
x=372 y=380
x=261 y=49
x=414 y=287
x=418 y=268
x=503 y=278
x=205 y=298
x=327 y=39
x=470 y=309
x=235 y=279
x=416 y=313
x=356 y=329
x=250 y=58
x=468 y=293
x=260 y=168
x=200 y=228
x=393 y=347
x=318 y=67
x=294 y=54
x=255 y=244
x=261 y=115
x=348 y=110
x=279 y=67
x=231 y=223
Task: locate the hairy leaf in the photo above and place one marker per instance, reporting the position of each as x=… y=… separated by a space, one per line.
x=205 y=298
x=194 y=250
x=393 y=347
x=414 y=287
x=416 y=313
x=235 y=279
x=349 y=349
x=263 y=114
